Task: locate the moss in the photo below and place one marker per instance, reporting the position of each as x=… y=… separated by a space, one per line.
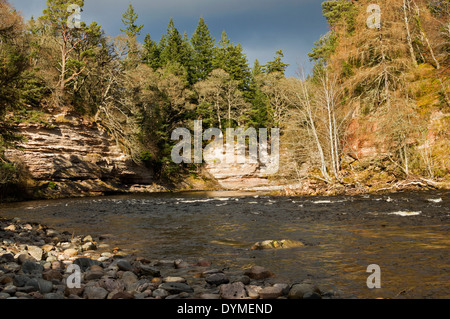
x=52 y=185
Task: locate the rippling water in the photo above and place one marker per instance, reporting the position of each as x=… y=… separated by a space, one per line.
x=406 y=234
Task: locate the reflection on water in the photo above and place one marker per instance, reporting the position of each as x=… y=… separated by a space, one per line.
x=343 y=235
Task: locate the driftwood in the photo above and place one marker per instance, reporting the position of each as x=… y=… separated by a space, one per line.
x=416 y=181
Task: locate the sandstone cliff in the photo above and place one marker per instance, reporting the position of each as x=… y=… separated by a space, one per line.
x=71 y=157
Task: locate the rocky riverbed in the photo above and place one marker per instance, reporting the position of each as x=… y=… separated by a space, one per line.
x=34 y=262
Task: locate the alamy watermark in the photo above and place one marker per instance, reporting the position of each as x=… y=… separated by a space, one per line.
x=74 y=20
x=231 y=151
x=374 y=280
x=74 y=280
x=374 y=20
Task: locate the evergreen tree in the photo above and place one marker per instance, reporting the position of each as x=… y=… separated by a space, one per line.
x=171 y=45
x=132 y=30
x=276 y=65
x=203 y=50
x=151 y=54
x=340 y=13
x=258 y=116
x=129 y=18
x=186 y=57
x=232 y=60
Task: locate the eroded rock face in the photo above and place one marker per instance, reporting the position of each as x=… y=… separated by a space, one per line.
x=239 y=175
x=79 y=158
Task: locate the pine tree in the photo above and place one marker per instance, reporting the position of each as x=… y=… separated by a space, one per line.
x=203 y=49
x=232 y=60
x=132 y=30
x=258 y=116
x=170 y=45
x=276 y=65
x=151 y=54
x=129 y=18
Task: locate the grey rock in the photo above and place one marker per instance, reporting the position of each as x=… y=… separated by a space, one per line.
x=284 y=288
x=41 y=285
x=149 y=271
x=51 y=233
x=253 y=291
x=32 y=268
x=233 y=291
x=211 y=272
x=129 y=279
x=176 y=288
x=209 y=296
x=161 y=293
x=312 y=295
x=181 y=264
x=20 y=280
x=257 y=272
x=4 y=295
x=27 y=289
x=6 y=258
x=11 y=267
x=112 y=285
x=10 y=290
x=124 y=265
x=95 y=293
x=93 y=275
x=299 y=290
x=217 y=279
x=85 y=263
x=271 y=293
x=244 y=279
x=24 y=257
x=23 y=295
x=141 y=286
x=53 y=296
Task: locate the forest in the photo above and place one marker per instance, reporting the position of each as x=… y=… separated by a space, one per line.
x=374 y=111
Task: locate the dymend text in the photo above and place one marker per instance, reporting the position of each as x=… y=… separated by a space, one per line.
x=226 y=309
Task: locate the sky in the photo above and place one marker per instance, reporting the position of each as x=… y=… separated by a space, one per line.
x=262 y=27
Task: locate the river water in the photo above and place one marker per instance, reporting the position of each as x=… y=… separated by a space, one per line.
x=406 y=234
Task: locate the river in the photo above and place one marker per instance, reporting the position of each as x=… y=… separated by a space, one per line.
x=406 y=234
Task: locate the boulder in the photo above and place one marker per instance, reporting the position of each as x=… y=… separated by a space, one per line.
x=233 y=291
x=271 y=293
x=298 y=291
x=95 y=293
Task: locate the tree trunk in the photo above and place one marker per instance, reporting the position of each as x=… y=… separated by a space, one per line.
x=408 y=33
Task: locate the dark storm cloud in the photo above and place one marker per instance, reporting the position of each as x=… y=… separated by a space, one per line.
x=261 y=26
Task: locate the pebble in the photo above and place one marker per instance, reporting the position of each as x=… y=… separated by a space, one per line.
x=124 y=265
x=253 y=291
x=70 y=252
x=271 y=293
x=257 y=272
x=35 y=252
x=217 y=279
x=176 y=288
x=160 y=293
x=298 y=291
x=174 y=279
x=95 y=293
x=233 y=291
x=35 y=268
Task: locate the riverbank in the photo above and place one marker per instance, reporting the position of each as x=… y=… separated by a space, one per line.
x=34 y=263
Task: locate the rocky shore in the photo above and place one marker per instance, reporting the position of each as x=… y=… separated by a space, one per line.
x=35 y=259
